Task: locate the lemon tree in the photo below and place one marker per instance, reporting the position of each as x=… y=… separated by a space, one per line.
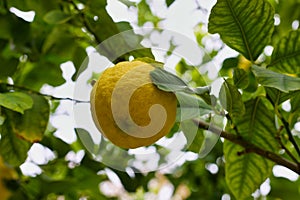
x=133 y=103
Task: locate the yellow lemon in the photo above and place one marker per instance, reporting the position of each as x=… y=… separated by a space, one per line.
x=129 y=109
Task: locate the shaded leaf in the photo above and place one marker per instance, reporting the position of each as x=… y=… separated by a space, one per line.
x=34 y=75
x=240 y=78
x=12 y=149
x=257 y=126
x=193 y=134
x=16 y=101
x=231 y=99
x=32 y=125
x=190 y=106
x=169 y=2
x=56 y=17
x=228 y=64
x=283 y=187
x=2 y=120
x=276 y=80
x=86 y=140
x=277 y=97
x=286 y=54
x=245 y=26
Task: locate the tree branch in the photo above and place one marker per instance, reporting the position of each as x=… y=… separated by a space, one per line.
x=50 y=97
x=249 y=148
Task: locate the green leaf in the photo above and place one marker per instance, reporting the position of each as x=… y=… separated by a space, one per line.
x=190 y=106
x=240 y=78
x=279 y=81
x=34 y=75
x=86 y=140
x=286 y=54
x=16 y=101
x=169 y=2
x=245 y=26
x=277 y=97
x=193 y=134
x=231 y=99
x=56 y=17
x=145 y=14
x=244 y=173
x=256 y=126
x=169 y=82
x=32 y=124
x=127 y=3
x=12 y=149
x=150 y=61
x=228 y=64
x=2 y=120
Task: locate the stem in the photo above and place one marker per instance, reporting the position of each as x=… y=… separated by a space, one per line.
x=278 y=137
x=285 y=124
x=289 y=132
x=249 y=148
x=50 y=97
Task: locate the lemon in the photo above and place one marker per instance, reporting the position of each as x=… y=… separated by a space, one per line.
x=128 y=109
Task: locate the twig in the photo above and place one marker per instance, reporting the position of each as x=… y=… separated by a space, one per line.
x=249 y=148
x=289 y=132
x=286 y=125
x=278 y=137
x=50 y=97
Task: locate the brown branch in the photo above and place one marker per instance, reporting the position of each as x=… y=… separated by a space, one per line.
x=249 y=148
x=50 y=97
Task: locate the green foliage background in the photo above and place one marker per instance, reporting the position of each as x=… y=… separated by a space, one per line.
x=255 y=86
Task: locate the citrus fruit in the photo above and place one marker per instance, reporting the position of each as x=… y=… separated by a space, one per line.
x=128 y=109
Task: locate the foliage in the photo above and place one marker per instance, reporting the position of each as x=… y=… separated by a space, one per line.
x=256 y=87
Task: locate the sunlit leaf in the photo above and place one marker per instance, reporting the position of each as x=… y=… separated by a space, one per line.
x=256 y=126
x=245 y=26
x=231 y=99
x=276 y=80
x=286 y=54
x=16 y=101
x=145 y=14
